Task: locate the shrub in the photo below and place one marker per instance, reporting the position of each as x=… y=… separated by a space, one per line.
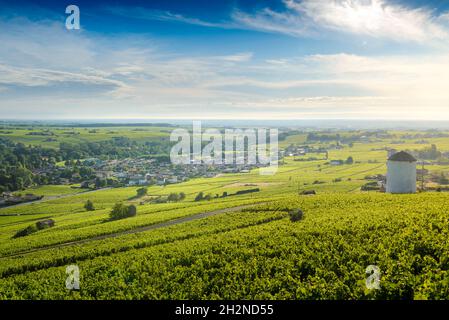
x=296 y=215
x=173 y=197
x=370 y=186
x=120 y=211
x=89 y=206
x=159 y=200
x=208 y=197
x=199 y=196
x=142 y=192
x=308 y=192
x=24 y=232
x=132 y=211
x=247 y=191
x=182 y=196
x=40 y=225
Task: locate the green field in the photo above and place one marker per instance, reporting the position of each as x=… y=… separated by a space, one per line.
x=77 y=135
x=245 y=247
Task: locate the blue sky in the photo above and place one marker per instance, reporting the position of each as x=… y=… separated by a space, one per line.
x=291 y=59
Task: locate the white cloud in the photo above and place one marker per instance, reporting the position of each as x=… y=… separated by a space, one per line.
x=376 y=18
x=380 y=19
x=240 y=57
x=373 y=18
x=122 y=77
x=34 y=77
x=160 y=15
x=268 y=20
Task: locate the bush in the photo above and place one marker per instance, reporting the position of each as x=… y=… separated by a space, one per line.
x=173 y=197
x=159 y=200
x=24 y=232
x=247 y=191
x=89 y=206
x=182 y=196
x=370 y=186
x=141 y=192
x=296 y=215
x=120 y=211
x=132 y=211
x=44 y=224
x=208 y=197
x=199 y=196
x=308 y=192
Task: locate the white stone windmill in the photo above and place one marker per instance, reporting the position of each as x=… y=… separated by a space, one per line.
x=401 y=175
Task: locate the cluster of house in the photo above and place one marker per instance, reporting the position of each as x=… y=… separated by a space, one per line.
x=163 y=174
x=144 y=171
x=302 y=150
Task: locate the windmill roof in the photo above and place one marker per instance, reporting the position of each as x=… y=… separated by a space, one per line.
x=403 y=157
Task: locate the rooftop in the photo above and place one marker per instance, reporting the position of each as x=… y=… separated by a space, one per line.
x=403 y=157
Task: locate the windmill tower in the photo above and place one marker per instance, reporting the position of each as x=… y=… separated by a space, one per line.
x=401 y=175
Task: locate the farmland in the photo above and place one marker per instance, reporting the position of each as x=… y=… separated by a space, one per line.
x=242 y=246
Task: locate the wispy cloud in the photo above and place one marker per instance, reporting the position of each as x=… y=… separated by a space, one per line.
x=36 y=77
x=167 y=16
x=267 y=20
x=120 y=77
x=375 y=18
x=372 y=18
x=379 y=19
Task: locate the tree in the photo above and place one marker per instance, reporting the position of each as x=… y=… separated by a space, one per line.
x=173 y=197
x=296 y=215
x=350 y=160
x=121 y=211
x=89 y=206
x=208 y=197
x=99 y=183
x=142 y=192
x=24 y=232
x=20 y=185
x=132 y=211
x=182 y=196
x=199 y=196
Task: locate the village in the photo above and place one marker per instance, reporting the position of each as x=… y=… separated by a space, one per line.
x=93 y=172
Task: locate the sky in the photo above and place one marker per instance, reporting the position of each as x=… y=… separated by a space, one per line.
x=236 y=59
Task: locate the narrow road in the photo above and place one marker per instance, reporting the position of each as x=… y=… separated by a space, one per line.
x=136 y=230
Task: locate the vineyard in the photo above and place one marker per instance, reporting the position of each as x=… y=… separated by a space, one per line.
x=243 y=246
x=258 y=253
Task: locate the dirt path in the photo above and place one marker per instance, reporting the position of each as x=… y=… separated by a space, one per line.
x=136 y=230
